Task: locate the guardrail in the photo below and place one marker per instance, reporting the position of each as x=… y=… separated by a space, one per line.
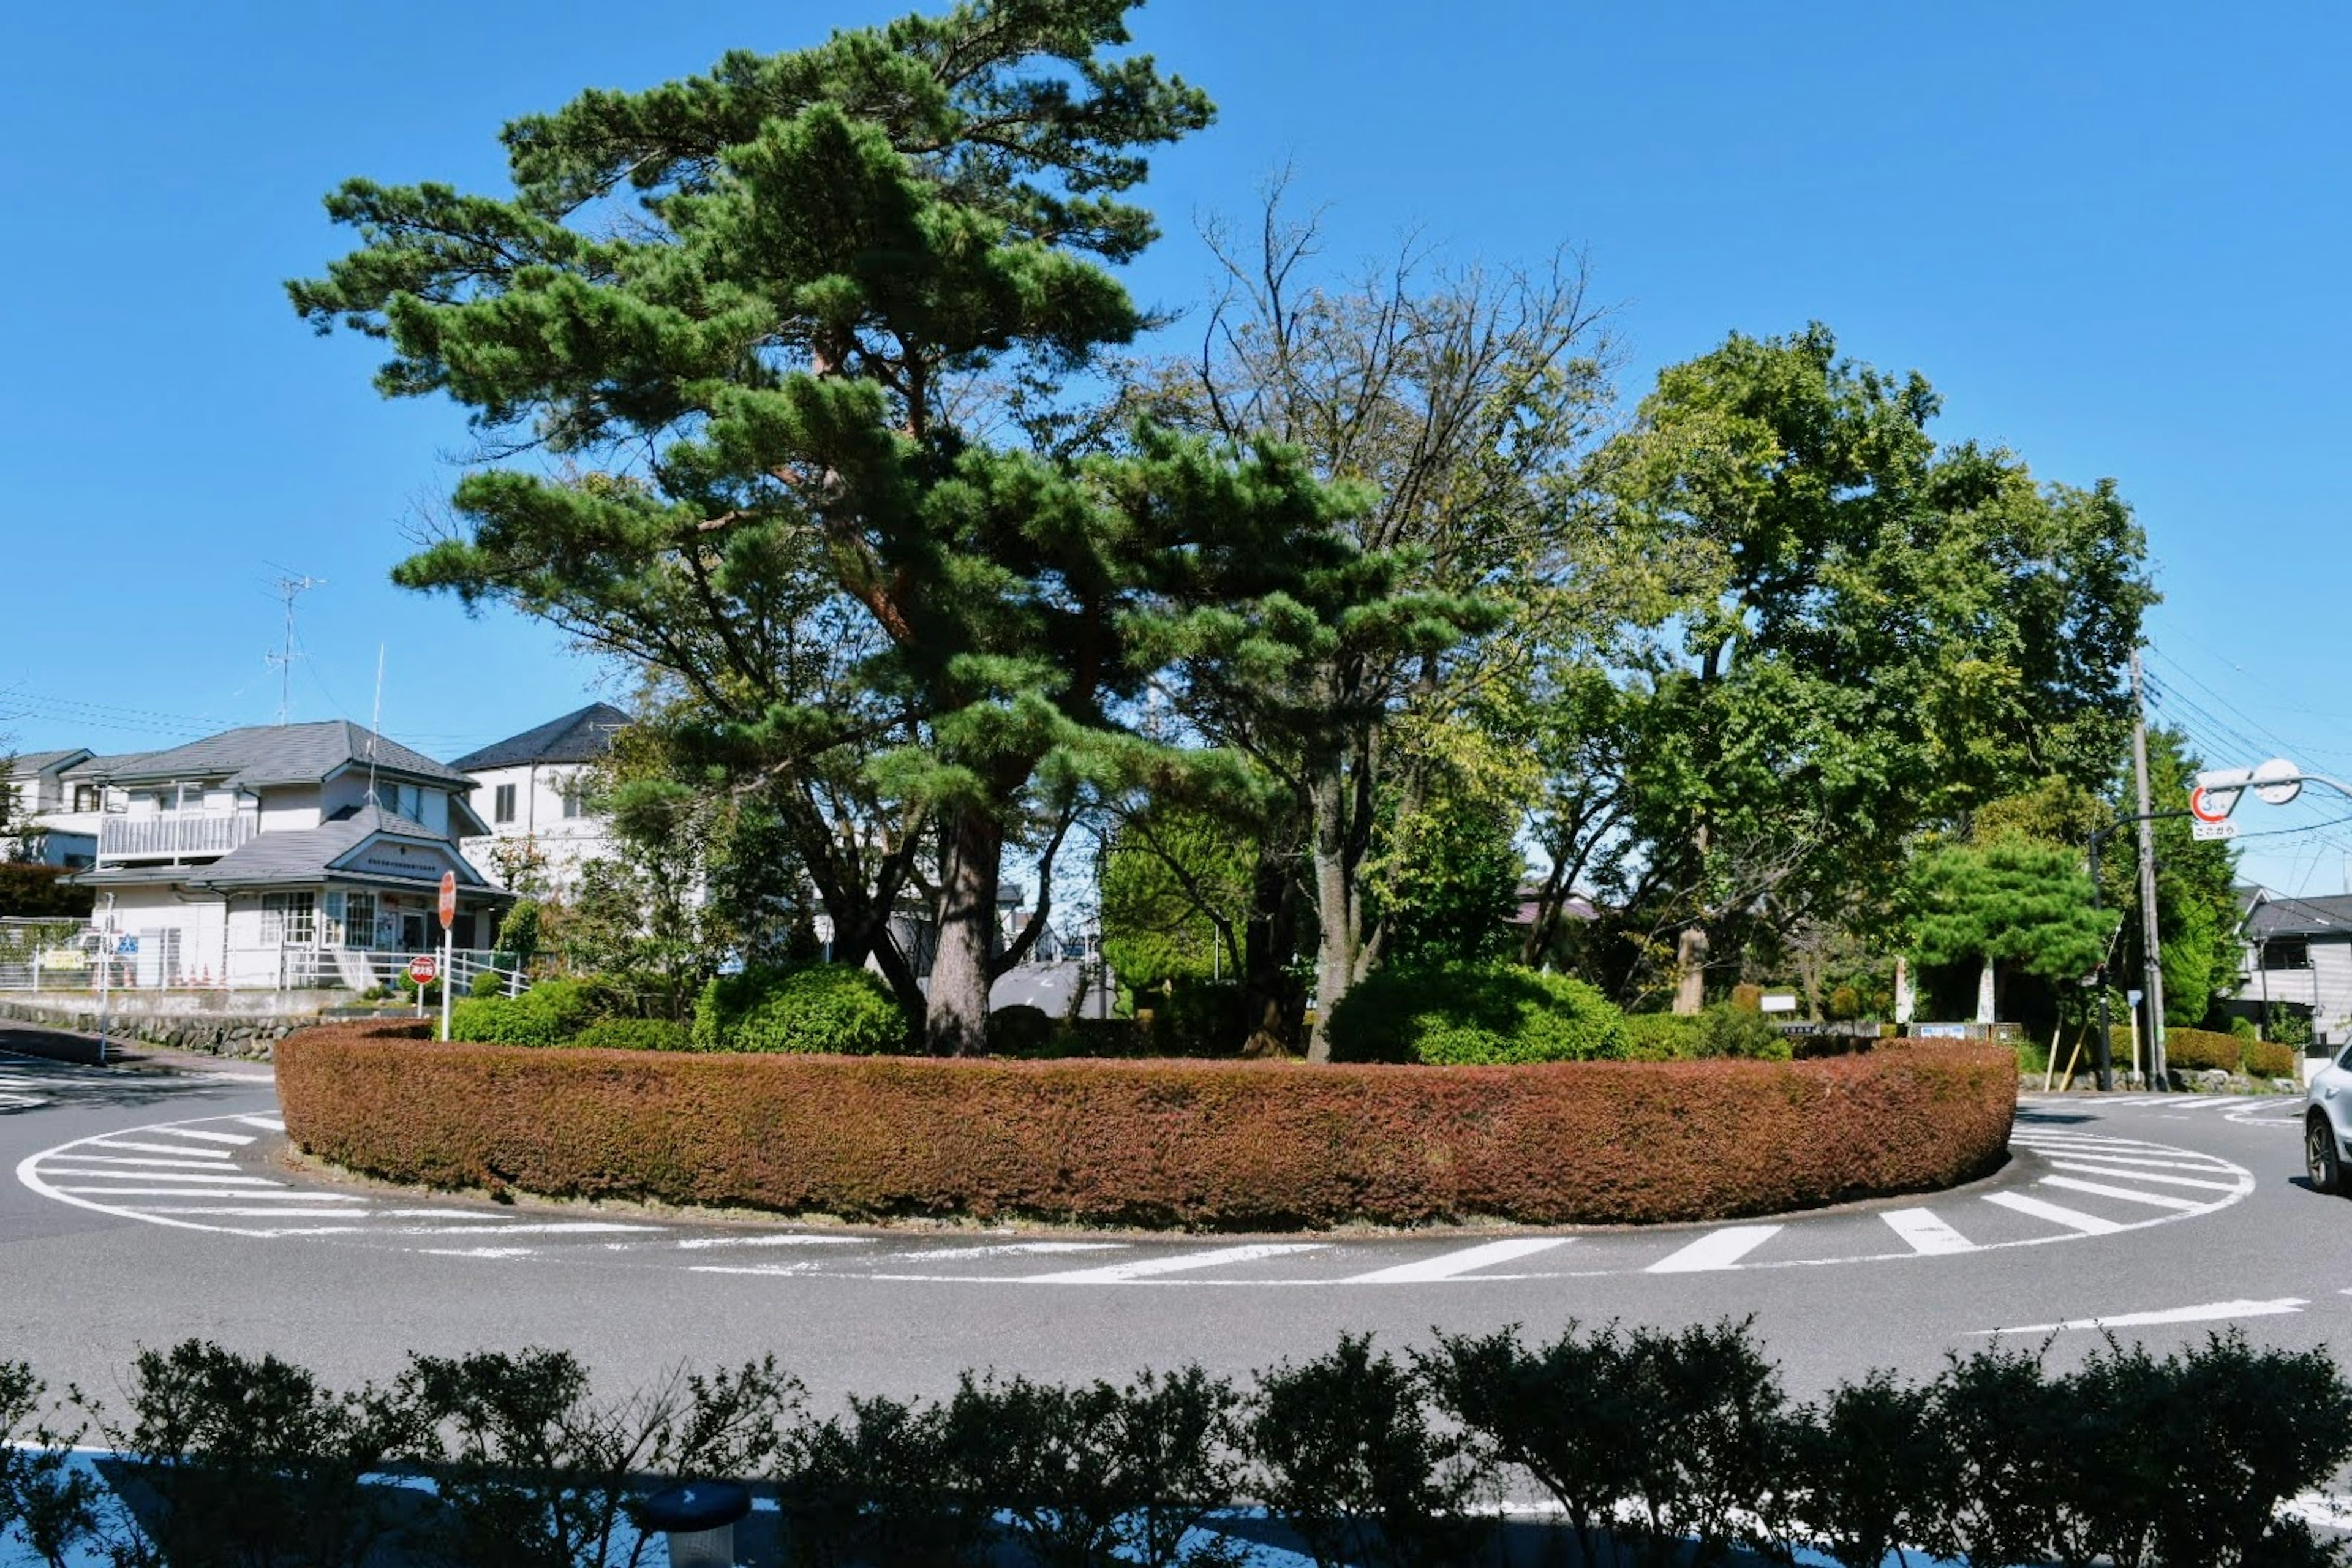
x=138 y=837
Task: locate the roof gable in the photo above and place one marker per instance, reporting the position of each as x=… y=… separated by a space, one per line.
x=282 y=753
x=581 y=736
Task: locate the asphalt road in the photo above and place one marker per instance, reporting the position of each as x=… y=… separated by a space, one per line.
x=140 y=1208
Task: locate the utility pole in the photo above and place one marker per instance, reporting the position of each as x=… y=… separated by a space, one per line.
x=2155 y=984
x=289 y=588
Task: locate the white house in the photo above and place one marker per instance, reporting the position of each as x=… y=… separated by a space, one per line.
x=39 y=811
x=2298 y=951
x=278 y=856
x=533 y=789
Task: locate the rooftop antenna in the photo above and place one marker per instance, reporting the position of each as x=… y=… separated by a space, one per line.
x=289 y=588
x=375 y=720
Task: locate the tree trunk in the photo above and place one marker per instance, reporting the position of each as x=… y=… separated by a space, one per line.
x=1335 y=912
x=1690 y=970
x=955 y=1018
x=1269 y=1003
x=1985 y=993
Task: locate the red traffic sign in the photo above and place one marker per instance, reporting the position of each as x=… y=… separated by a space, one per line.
x=423 y=968
x=448 y=900
x=2211 y=806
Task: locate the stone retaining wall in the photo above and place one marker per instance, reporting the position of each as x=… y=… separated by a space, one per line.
x=215 y=1034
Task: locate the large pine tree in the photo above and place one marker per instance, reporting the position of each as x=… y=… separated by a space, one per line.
x=739 y=339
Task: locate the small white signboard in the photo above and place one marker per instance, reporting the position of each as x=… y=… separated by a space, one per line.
x=2213 y=829
x=1779 y=1002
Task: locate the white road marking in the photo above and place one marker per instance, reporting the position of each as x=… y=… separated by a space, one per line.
x=1147 y=1268
x=701 y=1241
x=563 y=1228
x=2080 y=1168
x=2147 y=1161
x=1719 y=1250
x=1925 y=1233
x=211 y=1178
x=2128 y=1195
x=239 y=1139
x=1009 y=1248
x=267 y=1124
x=221 y=1190
x=2213 y=1312
x=479 y=1251
x=769 y=1269
x=269 y=1213
x=2072 y=1219
x=144 y=1161
x=219 y=1154
x=1452 y=1264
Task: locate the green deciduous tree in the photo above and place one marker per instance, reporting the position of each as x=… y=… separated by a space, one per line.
x=761 y=320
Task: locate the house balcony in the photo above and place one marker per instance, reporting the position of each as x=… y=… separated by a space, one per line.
x=174 y=836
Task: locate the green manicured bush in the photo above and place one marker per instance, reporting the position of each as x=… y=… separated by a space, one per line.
x=1724 y=1029
x=550 y=1014
x=2200 y=1050
x=487 y=983
x=818 y=1009
x=634 y=1035
x=2268 y=1058
x=1462 y=1014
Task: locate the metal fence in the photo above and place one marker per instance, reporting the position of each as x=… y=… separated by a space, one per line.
x=37 y=955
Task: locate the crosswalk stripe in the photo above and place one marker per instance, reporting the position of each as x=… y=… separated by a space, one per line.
x=2158 y=1176
x=1451 y=1265
x=696 y=1243
x=280 y=1213
x=998 y=1249
x=219 y=1154
x=552 y=1229
x=267 y=1124
x=220 y=1191
x=2072 y=1219
x=2130 y=1195
x=143 y=1162
x=2147 y=1161
x=239 y=1139
x=1925 y=1233
x=1147 y=1268
x=209 y=1178
x=1717 y=1249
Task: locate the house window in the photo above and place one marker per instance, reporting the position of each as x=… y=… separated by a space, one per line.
x=288 y=920
x=85 y=797
x=359 y=918
x=574 y=797
x=189 y=797
x=387 y=796
x=2286 y=953
x=504 y=808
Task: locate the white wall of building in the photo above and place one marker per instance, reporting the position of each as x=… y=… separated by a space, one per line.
x=540 y=794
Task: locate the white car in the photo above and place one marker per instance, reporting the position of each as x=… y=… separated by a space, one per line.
x=2327 y=1149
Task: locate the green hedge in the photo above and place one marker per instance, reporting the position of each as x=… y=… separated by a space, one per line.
x=2268 y=1058
x=1722 y=1030
x=2202 y=1050
x=550 y=1014
x=1468 y=1014
x=822 y=1009
x=634 y=1035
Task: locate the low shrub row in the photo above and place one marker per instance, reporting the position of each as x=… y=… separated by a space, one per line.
x=1458 y=1014
x=1216 y=1145
x=1650 y=1446
x=2212 y=1051
x=836 y=1009
x=550 y=1014
x=1724 y=1029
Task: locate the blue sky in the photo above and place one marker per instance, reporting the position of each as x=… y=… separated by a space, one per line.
x=2113 y=237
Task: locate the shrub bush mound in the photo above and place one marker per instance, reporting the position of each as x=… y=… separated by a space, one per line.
x=838 y=1009
x=1724 y=1029
x=2200 y=1050
x=550 y=1014
x=634 y=1035
x=1221 y=1145
x=1462 y=1015
x=1654 y=1445
x=2268 y=1058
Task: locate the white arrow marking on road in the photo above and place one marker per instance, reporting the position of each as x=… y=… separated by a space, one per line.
x=1925 y=1233
x=2072 y=1219
x=2081 y=1169
x=1118 y=1273
x=1451 y=1265
x=2128 y=1195
x=1720 y=1249
x=2213 y=1312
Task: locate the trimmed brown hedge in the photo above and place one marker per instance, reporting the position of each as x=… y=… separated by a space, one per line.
x=1225 y=1145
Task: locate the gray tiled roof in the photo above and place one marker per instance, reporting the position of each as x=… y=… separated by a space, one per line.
x=105 y=767
x=30 y=763
x=281 y=753
x=309 y=854
x=585 y=736
x=2277 y=916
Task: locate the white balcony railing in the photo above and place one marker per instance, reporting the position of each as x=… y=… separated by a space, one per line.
x=173 y=835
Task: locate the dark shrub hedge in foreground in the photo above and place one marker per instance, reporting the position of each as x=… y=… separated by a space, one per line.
x=1225 y=1145
x=1655 y=1446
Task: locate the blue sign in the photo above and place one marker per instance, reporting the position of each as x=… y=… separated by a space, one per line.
x=126 y=947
